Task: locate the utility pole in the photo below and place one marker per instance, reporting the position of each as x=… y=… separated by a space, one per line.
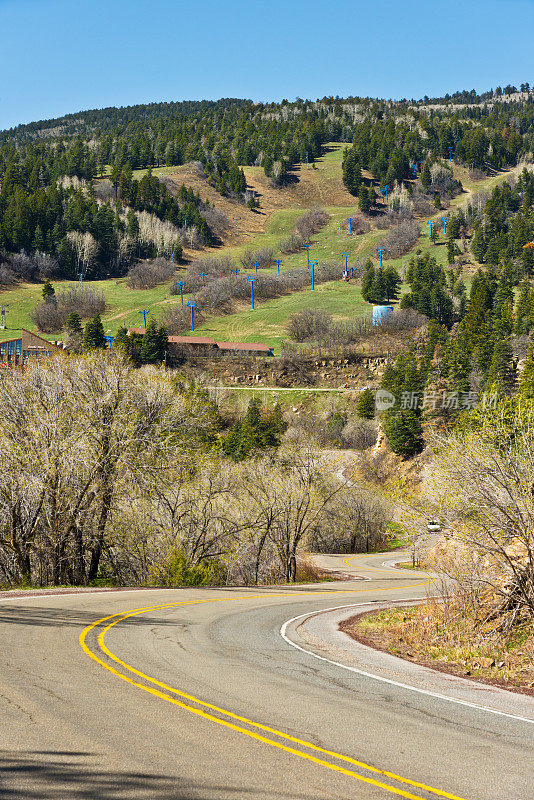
x=307 y=246
x=445 y=221
x=203 y=276
x=235 y=271
x=255 y=265
x=144 y=312
x=277 y=261
x=385 y=193
x=181 y=285
x=350 y=220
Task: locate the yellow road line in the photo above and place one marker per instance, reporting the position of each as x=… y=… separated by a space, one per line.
x=371 y=569
x=199 y=712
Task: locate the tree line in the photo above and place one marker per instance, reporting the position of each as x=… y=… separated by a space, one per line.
x=113 y=475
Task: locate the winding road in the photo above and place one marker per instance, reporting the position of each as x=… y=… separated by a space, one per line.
x=243 y=694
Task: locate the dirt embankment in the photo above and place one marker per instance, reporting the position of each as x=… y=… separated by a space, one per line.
x=430 y=636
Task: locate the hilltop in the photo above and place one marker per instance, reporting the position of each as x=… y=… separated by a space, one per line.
x=98 y=192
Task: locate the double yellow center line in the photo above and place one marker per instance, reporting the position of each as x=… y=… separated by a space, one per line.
x=235 y=722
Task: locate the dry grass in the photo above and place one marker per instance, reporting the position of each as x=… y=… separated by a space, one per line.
x=308 y=572
x=443 y=636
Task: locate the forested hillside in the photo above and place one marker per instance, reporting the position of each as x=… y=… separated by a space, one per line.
x=54 y=207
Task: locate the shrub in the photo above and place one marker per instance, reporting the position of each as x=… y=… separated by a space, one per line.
x=264 y=258
x=309 y=324
x=311 y=222
x=360 y=224
x=217 y=220
x=51 y=315
x=212 y=265
x=177 y=570
x=402 y=238
x=293 y=244
x=147 y=274
x=7 y=276
x=85 y=302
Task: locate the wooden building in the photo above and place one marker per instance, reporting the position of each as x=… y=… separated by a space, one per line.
x=19 y=347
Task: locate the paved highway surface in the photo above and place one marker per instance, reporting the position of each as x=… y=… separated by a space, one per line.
x=178 y=694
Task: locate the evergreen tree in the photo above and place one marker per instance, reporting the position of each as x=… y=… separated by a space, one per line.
x=254 y=432
x=48 y=292
x=74 y=324
x=378 y=289
x=426 y=177
x=404 y=431
x=365 y=404
x=522 y=311
x=364 y=202
x=502 y=371
x=352 y=174
x=392 y=283
x=526 y=385
x=122 y=341
x=478 y=244
x=154 y=344
x=93 y=335
x=368 y=279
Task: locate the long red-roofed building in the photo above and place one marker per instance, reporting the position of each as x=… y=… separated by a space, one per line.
x=207 y=344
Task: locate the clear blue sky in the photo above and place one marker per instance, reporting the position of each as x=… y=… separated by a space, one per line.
x=61 y=56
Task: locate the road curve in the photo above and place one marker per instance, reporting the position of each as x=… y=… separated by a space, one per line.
x=175 y=694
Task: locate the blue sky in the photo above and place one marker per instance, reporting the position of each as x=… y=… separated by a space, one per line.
x=61 y=56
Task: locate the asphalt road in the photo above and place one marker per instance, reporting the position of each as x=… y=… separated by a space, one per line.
x=197 y=695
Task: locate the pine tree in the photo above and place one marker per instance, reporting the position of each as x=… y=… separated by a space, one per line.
x=365 y=404
x=502 y=369
x=254 y=432
x=93 y=335
x=526 y=385
x=122 y=340
x=522 y=311
x=74 y=323
x=364 y=203
x=392 y=283
x=154 y=344
x=405 y=432
x=368 y=278
x=378 y=289
x=48 y=292
x=478 y=244
x=426 y=177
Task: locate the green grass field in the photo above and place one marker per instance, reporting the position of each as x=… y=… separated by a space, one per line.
x=123 y=304
x=267 y=322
